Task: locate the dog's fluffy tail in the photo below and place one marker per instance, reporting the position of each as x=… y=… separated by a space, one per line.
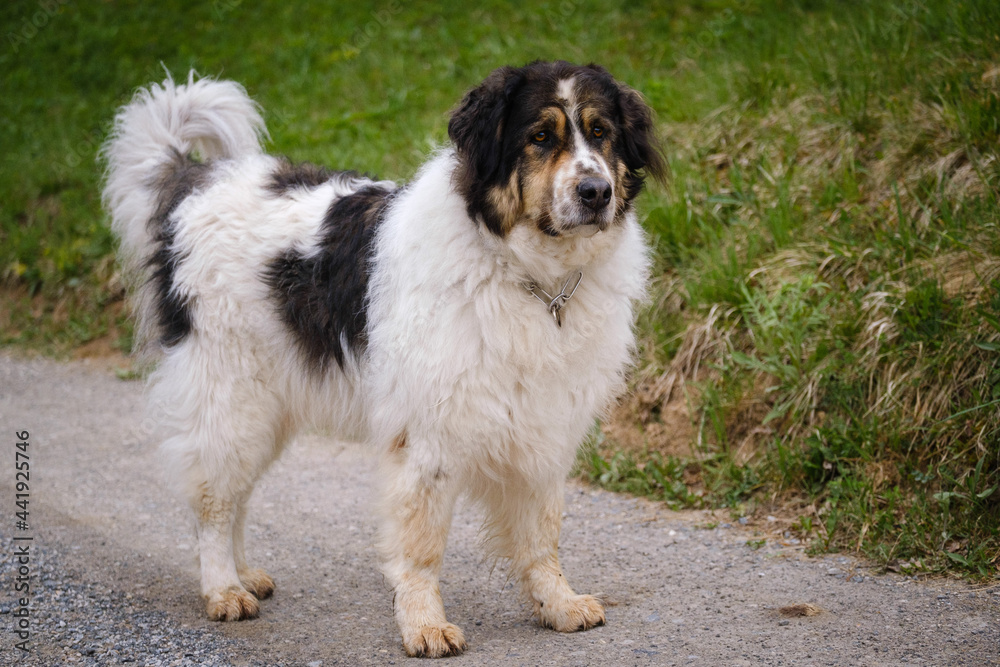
x=156 y=134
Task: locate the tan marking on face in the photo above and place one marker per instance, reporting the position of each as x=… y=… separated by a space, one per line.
x=549 y=177
x=540 y=173
x=552 y=119
x=619 y=184
x=593 y=118
x=506 y=200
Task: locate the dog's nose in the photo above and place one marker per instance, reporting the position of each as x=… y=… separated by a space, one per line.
x=595 y=193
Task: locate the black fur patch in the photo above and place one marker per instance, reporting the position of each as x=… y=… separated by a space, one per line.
x=478 y=128
x=545 y=226
x=639 y=145
x=289 y=176
x=322 y=297
x=179 y=180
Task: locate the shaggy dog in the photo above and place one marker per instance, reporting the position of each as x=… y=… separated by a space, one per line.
x=469 y=326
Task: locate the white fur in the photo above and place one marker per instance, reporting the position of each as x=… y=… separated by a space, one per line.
x=213 y=118
x=466 y=385
x=586 y=162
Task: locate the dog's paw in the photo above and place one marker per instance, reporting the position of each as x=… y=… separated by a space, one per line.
x=580 y=612
x=257 y=582
x=434 y=641
x=232 y=604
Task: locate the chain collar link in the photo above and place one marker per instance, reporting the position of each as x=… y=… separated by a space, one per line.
x=556 y=303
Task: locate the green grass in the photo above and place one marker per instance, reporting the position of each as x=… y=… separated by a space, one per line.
x=365 y=85
x=826 y=307
x=829 y=249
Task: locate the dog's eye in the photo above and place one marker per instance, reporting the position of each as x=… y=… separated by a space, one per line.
x=598 y=131
x=540 y=137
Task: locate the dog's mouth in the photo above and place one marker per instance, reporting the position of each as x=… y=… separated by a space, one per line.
x=578 y=221
x=586 y=230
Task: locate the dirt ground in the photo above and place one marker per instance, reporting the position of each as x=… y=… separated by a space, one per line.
x=113 y=577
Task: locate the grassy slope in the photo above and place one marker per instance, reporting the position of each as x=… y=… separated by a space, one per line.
x=829 y=301
x=824 y=330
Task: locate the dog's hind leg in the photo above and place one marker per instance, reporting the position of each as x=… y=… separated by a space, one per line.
x=417 y=501
x=254 y=579
x=226 y=599
x=228 y=433
x=223 y=479
x=523 y=523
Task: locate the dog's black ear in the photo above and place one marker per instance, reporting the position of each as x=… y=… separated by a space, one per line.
x=477 y=130
x=476 y=127
x=641 y=147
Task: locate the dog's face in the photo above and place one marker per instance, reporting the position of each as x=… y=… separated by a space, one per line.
x=560 y=147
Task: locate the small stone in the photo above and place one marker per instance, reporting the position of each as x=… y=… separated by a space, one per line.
x=785 y=622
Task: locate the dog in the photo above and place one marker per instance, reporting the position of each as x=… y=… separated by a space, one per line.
x=469 y=326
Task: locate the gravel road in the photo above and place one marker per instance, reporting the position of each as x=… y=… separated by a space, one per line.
x=114 y=578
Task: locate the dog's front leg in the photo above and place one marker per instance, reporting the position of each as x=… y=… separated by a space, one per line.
x=417 y=501
x=525 y=519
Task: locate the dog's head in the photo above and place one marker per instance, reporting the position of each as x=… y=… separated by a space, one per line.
x=562 y=147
